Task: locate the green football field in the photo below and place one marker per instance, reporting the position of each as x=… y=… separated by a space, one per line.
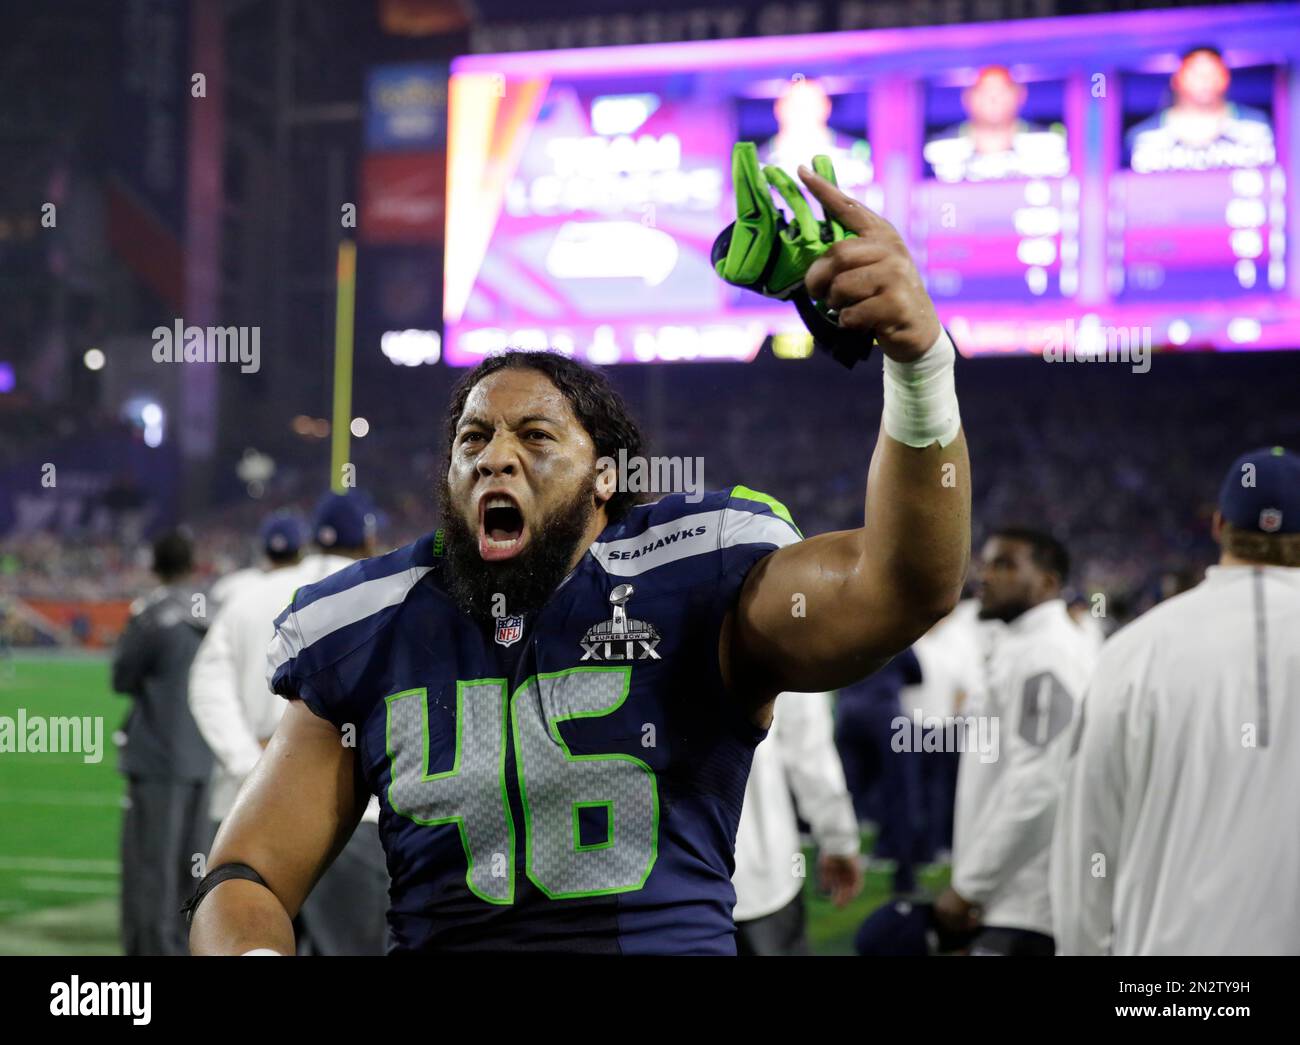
x=59 y=816
x=60 y=820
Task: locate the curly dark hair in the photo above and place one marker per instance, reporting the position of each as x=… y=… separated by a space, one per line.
x=595 y=403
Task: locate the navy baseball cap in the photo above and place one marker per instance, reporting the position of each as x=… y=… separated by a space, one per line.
x=895 y=929
x=1261 y=492
x=907 y=928
x=283 y=533
x=343 y=520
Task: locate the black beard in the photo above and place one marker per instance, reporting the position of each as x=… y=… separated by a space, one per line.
x=526 y=580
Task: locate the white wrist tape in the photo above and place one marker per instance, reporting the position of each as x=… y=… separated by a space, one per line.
x=921 y=397
x=259 y=952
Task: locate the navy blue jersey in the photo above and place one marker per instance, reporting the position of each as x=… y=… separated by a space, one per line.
x=566 y=781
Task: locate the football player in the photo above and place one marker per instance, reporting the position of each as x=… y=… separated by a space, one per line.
x=556 y=696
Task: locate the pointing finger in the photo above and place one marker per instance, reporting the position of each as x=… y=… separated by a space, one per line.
x=824 y=168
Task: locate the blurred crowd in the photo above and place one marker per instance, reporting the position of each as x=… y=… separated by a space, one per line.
x=1119 y=465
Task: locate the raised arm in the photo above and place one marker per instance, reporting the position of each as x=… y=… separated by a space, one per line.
x=827 y=611
x=292 y=817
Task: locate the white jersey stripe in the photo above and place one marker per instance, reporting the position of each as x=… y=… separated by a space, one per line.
x=682 y=538
x=742 y=527
x=689 y=536
x=335 y=612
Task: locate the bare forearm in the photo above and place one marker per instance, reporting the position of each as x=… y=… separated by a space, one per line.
x=916 y=541
x=240 y=916
x=292 y=817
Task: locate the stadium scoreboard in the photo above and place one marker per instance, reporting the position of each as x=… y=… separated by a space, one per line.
x=1124 y=171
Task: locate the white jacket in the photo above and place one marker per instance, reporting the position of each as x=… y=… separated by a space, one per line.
x=228 y=586
x=799 y=753
x=1179 y=828
x=1006 y=800
x=951 y=655
x=229 y=698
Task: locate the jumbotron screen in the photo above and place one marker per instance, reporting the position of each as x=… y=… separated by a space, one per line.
x=1112 y=172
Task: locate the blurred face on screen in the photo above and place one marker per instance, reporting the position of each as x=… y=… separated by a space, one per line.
x=803 y=105
x=519 y=495
x=1010 y=582
x=1201 y=80
x=994 y=99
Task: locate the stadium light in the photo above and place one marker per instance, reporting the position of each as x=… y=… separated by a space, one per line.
x=1180 y=332
x=411 y=347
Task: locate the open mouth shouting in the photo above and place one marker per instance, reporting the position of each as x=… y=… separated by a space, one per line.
x=502 y=532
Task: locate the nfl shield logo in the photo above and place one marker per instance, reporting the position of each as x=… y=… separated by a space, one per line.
x=509 y=630
x=1270 y=520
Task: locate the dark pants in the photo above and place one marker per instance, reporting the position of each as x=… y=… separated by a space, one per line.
x=778 y=933
x=939 y=784
x=347 y=911
x=1014 y=943
x=165 y=827
x=886 y=785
